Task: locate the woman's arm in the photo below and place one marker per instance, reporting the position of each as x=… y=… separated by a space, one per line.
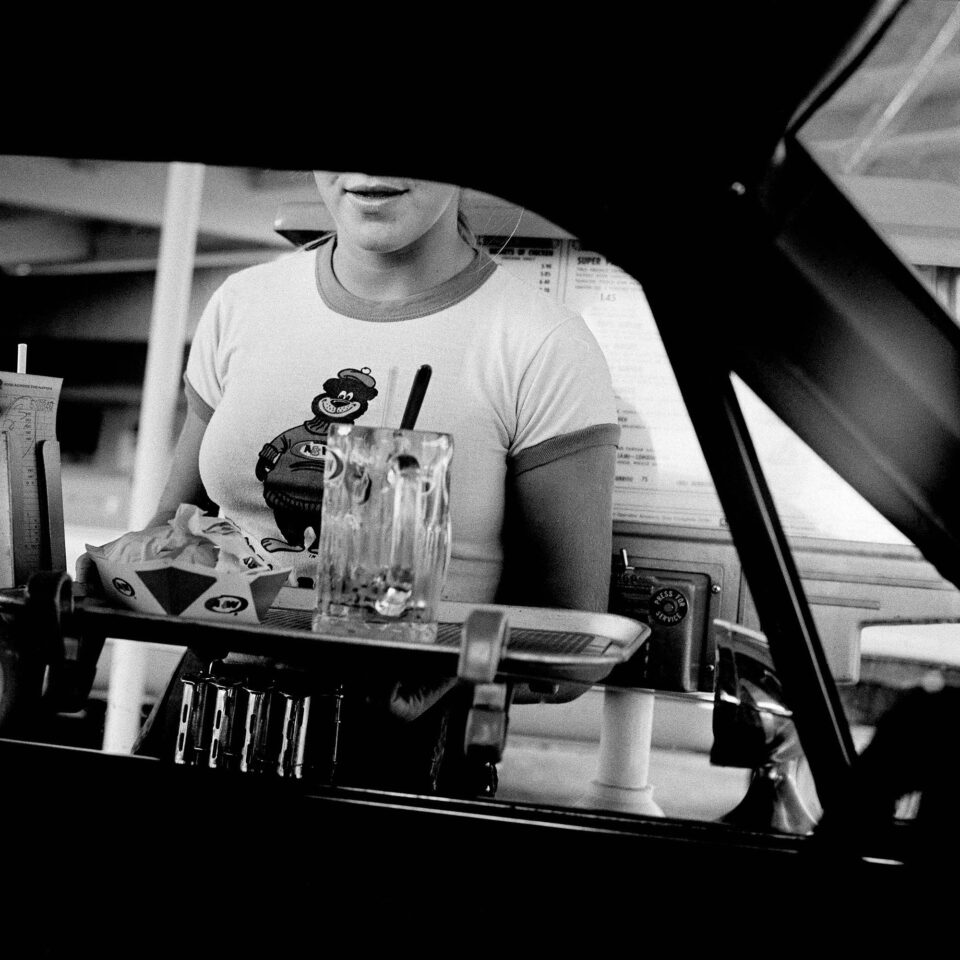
x=559 y=546
x=559 y=537
x=183 y=483
x=183 y=486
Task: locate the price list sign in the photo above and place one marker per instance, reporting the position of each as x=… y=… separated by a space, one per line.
x=661 y=475
x=537 y=260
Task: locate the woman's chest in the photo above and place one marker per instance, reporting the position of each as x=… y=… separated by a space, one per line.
x=362 y=373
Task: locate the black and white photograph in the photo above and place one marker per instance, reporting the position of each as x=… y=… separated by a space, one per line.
x=536 y=539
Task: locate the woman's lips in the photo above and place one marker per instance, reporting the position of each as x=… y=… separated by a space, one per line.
x=373 y=195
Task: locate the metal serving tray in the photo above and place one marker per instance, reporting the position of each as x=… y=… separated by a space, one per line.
x=544 y=643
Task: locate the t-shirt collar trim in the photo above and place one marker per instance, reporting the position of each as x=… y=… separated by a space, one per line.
x=448 y=293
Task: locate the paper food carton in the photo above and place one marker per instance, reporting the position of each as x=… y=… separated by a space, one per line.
x=196 y=567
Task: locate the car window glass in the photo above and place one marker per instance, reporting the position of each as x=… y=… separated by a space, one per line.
x=865 y=583
x=889 y=138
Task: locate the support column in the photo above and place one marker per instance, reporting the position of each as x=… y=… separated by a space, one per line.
x=161 y=390
x=626 y=733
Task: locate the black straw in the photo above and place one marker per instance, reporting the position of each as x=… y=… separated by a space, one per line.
x=415 y=399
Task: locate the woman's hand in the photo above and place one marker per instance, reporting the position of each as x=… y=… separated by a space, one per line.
x=86 y=578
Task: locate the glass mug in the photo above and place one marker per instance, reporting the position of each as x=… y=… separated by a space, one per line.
x=384 y=532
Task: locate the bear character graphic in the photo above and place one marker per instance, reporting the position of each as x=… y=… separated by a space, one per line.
x=291 y=466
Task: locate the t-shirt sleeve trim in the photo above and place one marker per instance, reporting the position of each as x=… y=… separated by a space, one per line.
x=599 y=435
x=196 y=403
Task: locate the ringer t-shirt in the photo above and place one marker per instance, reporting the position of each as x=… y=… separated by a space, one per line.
x=282 y=350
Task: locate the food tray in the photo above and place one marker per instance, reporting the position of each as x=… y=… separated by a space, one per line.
x=544 y=643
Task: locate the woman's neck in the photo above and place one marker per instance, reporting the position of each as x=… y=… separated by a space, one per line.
x=395 y=275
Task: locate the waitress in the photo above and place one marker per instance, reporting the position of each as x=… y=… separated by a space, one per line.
x=334 y=333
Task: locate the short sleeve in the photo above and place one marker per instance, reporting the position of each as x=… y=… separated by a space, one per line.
x=566 y=387
x=204 y=374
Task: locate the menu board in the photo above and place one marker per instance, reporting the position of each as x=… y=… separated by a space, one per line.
x=28 y=417
x=661 y=474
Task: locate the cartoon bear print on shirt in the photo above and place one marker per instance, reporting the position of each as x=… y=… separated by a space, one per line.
x=291 y=465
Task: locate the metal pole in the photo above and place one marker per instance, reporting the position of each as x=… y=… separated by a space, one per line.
x=626 y=731
x=161 y=389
